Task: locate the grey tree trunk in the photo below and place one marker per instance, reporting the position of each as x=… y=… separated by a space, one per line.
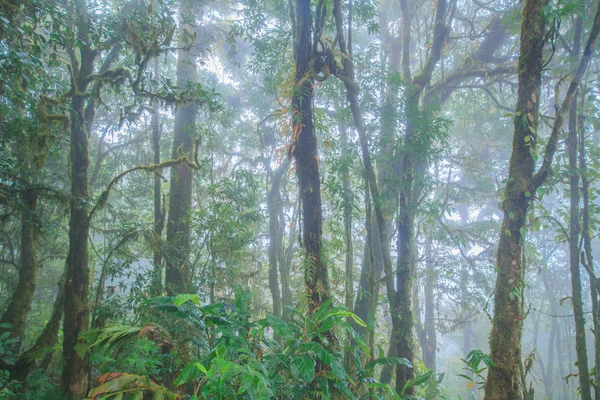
x=178 y=277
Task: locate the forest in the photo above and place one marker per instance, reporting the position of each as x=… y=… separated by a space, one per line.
x=299 y=199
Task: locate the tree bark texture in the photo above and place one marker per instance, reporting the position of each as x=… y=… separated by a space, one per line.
x=589 y=259
x=503 y=380
x=46 y=340
x=178 y=277
x=304 y=150
x=159 y=217
x=574 y=235
x=20 y=303
x=76 y=366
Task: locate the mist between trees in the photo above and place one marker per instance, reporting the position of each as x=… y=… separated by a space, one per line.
x=299 y=199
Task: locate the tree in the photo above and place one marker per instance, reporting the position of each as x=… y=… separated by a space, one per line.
x=522 y=183
x=304 y=148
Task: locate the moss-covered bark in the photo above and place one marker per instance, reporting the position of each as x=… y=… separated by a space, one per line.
x=159 y=217
x=20 y=303
x=28 y=359
x=178 y=277
x=574 y=236
x=304 y=150
x=77 y=314
x=504 y=380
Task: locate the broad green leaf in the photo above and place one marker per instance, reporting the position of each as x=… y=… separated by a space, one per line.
x=185 y=297
x=303 y=367
x=189 y=373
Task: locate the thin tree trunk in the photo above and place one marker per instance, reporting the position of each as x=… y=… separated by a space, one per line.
x=275 y=238
x=430 y=349
x=178 y=277
x=548 y=381
x=385 y=174
x=285 y=261
x=46 y=340
x=349 y=254
x=574 y=234
x=20 y=303
x=589 y=260
x=372 y=286
x=159 y=217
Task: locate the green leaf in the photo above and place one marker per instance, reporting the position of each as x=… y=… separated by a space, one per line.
x=419 y=380
x=279 y=326
x=190 y=372
x=184 y=297
x=303 y=368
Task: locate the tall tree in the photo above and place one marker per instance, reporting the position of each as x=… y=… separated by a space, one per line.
x=504 y=379
x=178 y=277
x=77 y=314
x=304 y=148
x=575 y=234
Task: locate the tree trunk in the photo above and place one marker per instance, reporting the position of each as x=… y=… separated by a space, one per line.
x=391 y=47
x=503 y=380
x=589 y=260
x=430 y=349
x=505 y=336
x=548 y=381
x=20 y=303
x=77 y=282
x=285 y=261
x=275 y=238
x=346 y=164
x=159 y=217
x=574 y=234
x=304 y=150
x=45 y=341
x=178 y=277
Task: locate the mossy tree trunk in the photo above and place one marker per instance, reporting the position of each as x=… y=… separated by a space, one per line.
x=28 y=359
x=76 y=366
x=178 y=277
x=304 y=150
x=505 y=338
x=504 y=380
x=574 y=236
x=20 y=303
x=159 y=212
x=588 y=260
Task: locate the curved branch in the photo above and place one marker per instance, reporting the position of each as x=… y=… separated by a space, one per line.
x=193 y=163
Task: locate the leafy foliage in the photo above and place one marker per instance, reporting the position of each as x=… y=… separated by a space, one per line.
x=230 y=356
x=475 y=369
